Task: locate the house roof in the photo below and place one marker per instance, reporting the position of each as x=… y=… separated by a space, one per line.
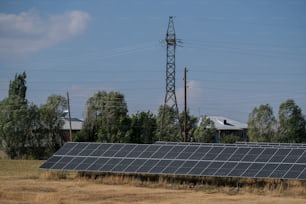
x=76 y=124
x=224 y=123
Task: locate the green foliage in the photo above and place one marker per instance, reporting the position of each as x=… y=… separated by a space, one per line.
x=52 y=122
x=18 y=86
x=231 y=139
x=14 y=125
x=170 y=131
x=107 y=119
x=292 y=123
x=27 y=131
x=262 y=124
x=143 y=127
x=290 y=127
x=206 y=131
x=191 y=125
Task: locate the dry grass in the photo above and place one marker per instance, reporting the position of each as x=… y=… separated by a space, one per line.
x=22 y=182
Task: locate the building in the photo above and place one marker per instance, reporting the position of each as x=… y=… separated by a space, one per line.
x=76 y=126
x=226 y=126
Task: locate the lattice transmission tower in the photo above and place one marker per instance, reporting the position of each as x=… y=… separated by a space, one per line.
x=170 y=97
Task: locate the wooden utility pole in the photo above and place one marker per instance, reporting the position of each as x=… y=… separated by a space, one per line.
x=69 y=114
x=185 y=106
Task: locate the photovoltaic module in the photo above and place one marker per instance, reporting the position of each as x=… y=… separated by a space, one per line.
x=244 y=160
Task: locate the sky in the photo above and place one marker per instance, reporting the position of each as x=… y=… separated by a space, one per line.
x=240 y=54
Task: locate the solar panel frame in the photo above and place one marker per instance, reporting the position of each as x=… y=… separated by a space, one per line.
x=149 y=151
x=198 y=168
x=226 y=169
x=239 y=169
x=160 y=166
x=66 y=148
x=225 y=154
x=74 y=163
x=173 y=166
x=120 y=167
x=275 y=161
x=295 y=171
x=135 y=153
x=162 y=151
x=185 y=168
x=137 y=163
x=89 y=149
x=50 y=162
x=103 y=147
x=78 y=148
x=174 y=152
x=239 y=154
x=60 y=164
x=86 y=163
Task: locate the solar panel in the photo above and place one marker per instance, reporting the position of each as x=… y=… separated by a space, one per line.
x=248 y=160
x=198 y=168
x=173 y=166
x=252 y=169
x=87 y=162
x=160 y=166
x=239 y=169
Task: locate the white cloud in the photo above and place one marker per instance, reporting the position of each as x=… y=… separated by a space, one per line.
x=29 y=32
x=194 y=92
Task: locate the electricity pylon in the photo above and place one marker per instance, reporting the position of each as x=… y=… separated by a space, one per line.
x=170 y=97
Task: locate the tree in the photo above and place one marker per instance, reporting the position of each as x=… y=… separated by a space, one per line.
x=292 y=123
x=171 y=128
x=14 y=123
x=231 y=138
x=14 y=126
x=206 y=131
x=143 y=127
x=18 y=86
x=262 y=124
x=52 y=122
x=191 y=124
x=107 y=119
x=36 y=136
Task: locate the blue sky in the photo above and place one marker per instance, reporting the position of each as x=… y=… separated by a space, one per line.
x=239 y=53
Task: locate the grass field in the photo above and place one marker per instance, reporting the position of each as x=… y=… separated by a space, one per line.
x=22 y=182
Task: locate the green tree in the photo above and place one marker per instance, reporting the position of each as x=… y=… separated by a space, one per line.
x=206 y=131
x=18 y=86
x=231 y=138
x=14 y=123
x=171 y=130
x=262 y=124
x=191 y=125
x=14 y=126
x=52 y=122
x=107 y=119
x=35 y=137
x=292 y=123
x=143 y=127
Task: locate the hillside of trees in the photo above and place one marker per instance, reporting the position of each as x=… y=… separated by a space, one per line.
x=31 y=131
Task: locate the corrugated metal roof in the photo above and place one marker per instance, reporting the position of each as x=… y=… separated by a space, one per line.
x=224 y=123
x=76 y=124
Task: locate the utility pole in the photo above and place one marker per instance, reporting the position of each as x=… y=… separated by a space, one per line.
x=185 y=106
x=69 y=114
x=170 y=97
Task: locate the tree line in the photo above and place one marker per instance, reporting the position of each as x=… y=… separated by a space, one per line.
x=289 y=128
x=31 y=131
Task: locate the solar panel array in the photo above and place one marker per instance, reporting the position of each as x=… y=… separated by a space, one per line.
x=245 y=160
